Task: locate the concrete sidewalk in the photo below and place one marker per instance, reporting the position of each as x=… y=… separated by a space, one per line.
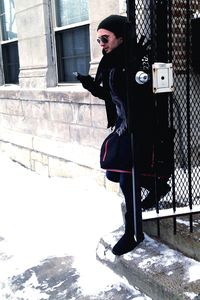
x=158 y=271
x=57 y=279
x=44 y=254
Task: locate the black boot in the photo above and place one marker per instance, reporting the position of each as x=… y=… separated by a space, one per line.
x=124 y=245
x=150 y=201
x=127 y=242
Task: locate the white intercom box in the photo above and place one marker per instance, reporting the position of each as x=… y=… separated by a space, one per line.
x=162 y=75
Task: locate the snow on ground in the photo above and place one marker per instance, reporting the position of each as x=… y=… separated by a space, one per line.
x=43 y=217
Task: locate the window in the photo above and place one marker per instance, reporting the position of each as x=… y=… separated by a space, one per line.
x=71 y=11
x=72 y=38
x=10 y=62
x=9 y=44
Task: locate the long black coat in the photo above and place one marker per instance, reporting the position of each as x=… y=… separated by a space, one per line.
x=102 y=88
x=110 y=85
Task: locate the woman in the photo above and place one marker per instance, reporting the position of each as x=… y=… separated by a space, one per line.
x=110 y=85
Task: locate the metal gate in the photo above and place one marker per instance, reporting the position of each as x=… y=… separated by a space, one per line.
x=173 y=28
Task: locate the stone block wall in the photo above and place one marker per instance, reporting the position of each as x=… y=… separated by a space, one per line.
x=53 y=129
x=54 y=132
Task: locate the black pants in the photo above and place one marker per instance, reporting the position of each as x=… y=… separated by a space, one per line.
x=125 y=182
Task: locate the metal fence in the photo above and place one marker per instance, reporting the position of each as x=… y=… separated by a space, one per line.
x=173 y=28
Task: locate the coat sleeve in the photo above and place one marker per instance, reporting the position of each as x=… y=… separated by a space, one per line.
x=100 y=92
x=103 y=94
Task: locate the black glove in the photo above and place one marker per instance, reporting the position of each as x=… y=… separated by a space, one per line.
x=86 y=80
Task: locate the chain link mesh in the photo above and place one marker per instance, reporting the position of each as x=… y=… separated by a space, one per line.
x=176 y=17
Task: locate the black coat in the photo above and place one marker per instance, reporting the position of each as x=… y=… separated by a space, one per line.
x=104 y=81
x=110 y=85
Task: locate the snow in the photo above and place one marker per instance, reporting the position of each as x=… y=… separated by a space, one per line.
x=43 y=217
x=194 y=272
x=191 y=295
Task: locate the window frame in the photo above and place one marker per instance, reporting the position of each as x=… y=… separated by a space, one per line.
x=6 y=70
x=57 y=29
x=2 y=44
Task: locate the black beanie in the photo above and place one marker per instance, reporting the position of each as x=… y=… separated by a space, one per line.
x=115 y=24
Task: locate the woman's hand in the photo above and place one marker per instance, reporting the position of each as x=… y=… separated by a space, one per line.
x=86 y=80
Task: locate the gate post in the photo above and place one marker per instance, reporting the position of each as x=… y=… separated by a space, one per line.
x=132 y=115
x=162 y=55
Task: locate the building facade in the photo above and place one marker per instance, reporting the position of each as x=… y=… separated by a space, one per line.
x=49 y=123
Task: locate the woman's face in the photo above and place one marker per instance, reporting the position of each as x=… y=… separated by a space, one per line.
x=107 y=40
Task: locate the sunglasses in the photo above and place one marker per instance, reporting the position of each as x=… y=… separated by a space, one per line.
x=103 y=39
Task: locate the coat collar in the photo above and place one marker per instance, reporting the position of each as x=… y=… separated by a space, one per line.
x=114 y=58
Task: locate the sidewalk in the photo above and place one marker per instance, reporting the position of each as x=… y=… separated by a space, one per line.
x=56 y=237
x=49 y=231
x=157 y=270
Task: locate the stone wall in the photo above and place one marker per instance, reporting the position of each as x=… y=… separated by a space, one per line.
x=55 y=132
x=49 y=128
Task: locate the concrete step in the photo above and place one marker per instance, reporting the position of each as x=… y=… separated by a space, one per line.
x=184 y=240
x=158 y=271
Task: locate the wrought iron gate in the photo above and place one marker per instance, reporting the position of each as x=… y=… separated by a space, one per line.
x=173 y=28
